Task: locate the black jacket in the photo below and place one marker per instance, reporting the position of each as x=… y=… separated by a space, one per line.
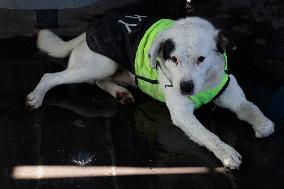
x=117 y=37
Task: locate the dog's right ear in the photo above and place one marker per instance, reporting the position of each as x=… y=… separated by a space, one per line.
x=154 y=51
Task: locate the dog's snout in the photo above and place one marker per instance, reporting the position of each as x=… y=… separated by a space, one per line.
x=186 y=87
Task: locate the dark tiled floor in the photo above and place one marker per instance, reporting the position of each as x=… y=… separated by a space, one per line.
x=80 y=124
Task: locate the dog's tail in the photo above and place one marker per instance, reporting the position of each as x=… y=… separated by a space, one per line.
x=55 y=46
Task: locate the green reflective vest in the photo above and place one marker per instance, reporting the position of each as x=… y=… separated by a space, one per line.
x=147 y=76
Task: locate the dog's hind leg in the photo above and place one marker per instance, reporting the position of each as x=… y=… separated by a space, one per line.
x=124 y=78
x=117 y=91
x=84 y=66
x=234 y=99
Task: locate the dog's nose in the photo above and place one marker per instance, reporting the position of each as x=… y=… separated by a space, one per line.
x=186 y=87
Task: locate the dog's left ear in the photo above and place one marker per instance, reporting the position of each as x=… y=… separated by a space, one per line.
x=154 y=51
x=221 y=42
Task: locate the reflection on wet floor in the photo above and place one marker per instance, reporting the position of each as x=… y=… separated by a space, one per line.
x=80 y=125
x=96 y=131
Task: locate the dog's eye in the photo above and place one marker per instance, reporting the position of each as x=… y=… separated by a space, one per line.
x=174 y=59
x=200 y=59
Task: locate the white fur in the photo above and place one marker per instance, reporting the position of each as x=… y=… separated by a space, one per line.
x=193 y=37
x=234 y=99
x=56 y=47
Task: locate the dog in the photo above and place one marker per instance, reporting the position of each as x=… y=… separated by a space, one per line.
x=185 y=56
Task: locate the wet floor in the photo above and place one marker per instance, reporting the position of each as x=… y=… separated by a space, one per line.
x=80 y=125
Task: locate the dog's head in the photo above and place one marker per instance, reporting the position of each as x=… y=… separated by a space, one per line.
x=191 y=55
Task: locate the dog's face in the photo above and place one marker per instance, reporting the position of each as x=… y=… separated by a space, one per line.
x=190 y=54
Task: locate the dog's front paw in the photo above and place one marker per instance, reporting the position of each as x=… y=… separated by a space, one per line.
x=229 y=156
x=265 y=129
x=33 y=101
x=124 y=97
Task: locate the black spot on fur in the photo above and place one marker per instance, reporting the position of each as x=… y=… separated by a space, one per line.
x=168 y=48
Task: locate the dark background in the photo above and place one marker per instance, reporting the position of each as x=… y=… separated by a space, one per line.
x=79 y=122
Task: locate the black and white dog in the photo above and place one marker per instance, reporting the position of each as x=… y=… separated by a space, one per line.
x=190 y=59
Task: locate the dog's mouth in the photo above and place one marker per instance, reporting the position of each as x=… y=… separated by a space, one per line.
x=188 y=93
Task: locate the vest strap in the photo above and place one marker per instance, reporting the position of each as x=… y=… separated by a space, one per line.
x=223 y=89
x=146 y=79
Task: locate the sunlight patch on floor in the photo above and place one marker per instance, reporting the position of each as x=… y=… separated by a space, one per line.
x=57 y=172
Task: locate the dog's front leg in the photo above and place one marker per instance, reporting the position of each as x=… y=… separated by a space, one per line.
x=234 y=99
x=181 y=110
